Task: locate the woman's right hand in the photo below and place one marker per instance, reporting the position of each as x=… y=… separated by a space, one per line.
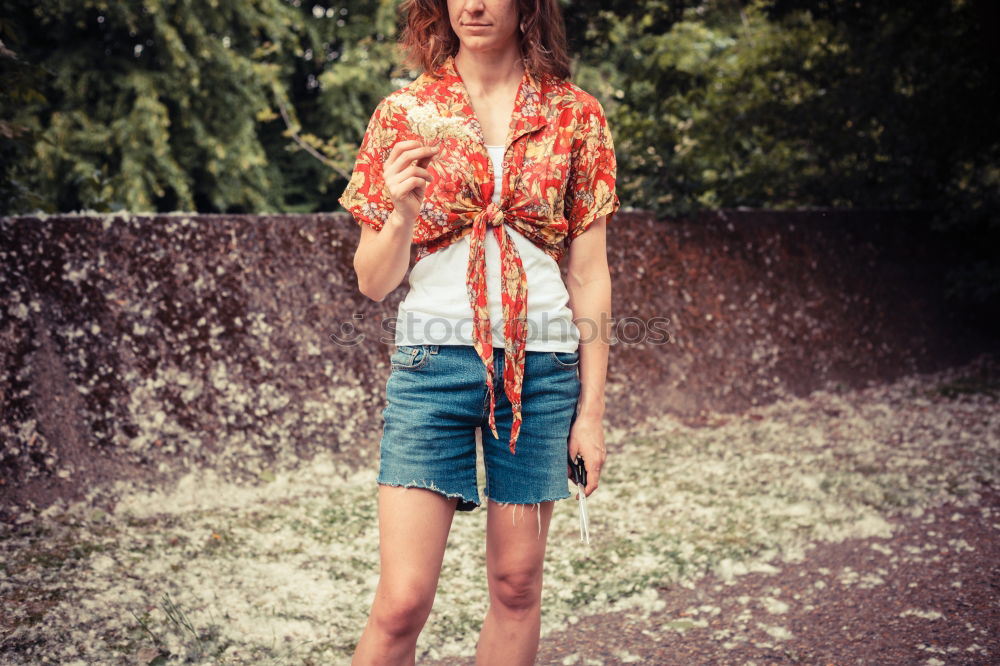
x=406 y=176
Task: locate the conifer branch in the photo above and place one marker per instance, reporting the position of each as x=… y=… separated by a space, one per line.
x=305 y=145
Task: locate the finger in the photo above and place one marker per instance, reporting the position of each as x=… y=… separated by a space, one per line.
x=397 y=180
x=399 y=147
x=414 y=170
x=409 y=155
x=593 y=475
x=425 y=161
x=408 y=185
x=398 y=158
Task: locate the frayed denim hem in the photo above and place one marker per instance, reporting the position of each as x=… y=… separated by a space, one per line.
x=525 y=505
x=463 y=503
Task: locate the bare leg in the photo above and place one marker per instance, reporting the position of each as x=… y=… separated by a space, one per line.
x=516 y=535
x=413 y=531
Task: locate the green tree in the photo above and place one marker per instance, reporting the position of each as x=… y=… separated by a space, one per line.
x=807 y=103
x=177 y=104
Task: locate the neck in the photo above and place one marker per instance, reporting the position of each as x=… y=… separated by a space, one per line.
x=485 y=72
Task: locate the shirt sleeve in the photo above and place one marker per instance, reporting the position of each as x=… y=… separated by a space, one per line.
x=591 y=192
x=366 y=196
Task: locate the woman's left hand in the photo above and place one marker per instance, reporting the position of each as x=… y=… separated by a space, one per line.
x=586 y=437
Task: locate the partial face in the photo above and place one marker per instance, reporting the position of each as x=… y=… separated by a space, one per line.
x=484 y=24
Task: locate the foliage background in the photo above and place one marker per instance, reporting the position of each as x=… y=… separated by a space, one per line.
x=250 y=107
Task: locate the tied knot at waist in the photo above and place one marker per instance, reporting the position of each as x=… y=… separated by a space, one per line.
x=492 y=215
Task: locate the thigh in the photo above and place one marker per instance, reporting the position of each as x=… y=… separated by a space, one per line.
x=413 y=531
x=433 y=402
x=516 y=535
x=537 y=470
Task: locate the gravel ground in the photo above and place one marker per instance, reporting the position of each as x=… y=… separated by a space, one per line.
x=845 y=527
x=929 y=594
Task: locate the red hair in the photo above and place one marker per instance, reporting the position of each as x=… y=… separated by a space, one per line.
x=427 y=38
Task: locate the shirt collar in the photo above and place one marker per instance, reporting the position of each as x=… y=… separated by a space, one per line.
x=528 y=114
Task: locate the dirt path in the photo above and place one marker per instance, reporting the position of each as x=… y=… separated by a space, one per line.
x=885 y=502
x=930 y=594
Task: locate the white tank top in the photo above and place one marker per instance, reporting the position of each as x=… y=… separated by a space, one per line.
x=436 y=308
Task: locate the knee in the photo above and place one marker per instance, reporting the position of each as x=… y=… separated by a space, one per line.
x=518 y=591
x=401 y=612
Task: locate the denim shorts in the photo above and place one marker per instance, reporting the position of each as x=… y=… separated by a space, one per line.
x=436 y=397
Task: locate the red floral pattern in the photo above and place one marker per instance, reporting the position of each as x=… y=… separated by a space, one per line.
x=558 y=177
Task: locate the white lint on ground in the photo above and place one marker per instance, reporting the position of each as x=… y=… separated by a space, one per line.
x=222 y=573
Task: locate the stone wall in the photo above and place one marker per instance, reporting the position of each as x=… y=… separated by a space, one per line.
x=139 y=345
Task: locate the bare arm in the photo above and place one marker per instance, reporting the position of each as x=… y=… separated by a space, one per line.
x=383 y=256
x=589 y=286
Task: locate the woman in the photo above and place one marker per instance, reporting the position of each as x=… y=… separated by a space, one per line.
x=491 y=163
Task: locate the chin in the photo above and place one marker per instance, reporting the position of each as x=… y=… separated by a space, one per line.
x=482 y=42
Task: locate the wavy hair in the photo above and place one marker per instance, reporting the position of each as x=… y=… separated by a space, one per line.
x=426 y=39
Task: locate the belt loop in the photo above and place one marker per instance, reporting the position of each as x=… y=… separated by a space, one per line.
x=433 y=348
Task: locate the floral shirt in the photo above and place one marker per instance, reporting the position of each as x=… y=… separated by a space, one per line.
x=558 y=177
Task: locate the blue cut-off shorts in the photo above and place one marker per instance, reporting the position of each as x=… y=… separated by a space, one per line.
x=436 y=397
